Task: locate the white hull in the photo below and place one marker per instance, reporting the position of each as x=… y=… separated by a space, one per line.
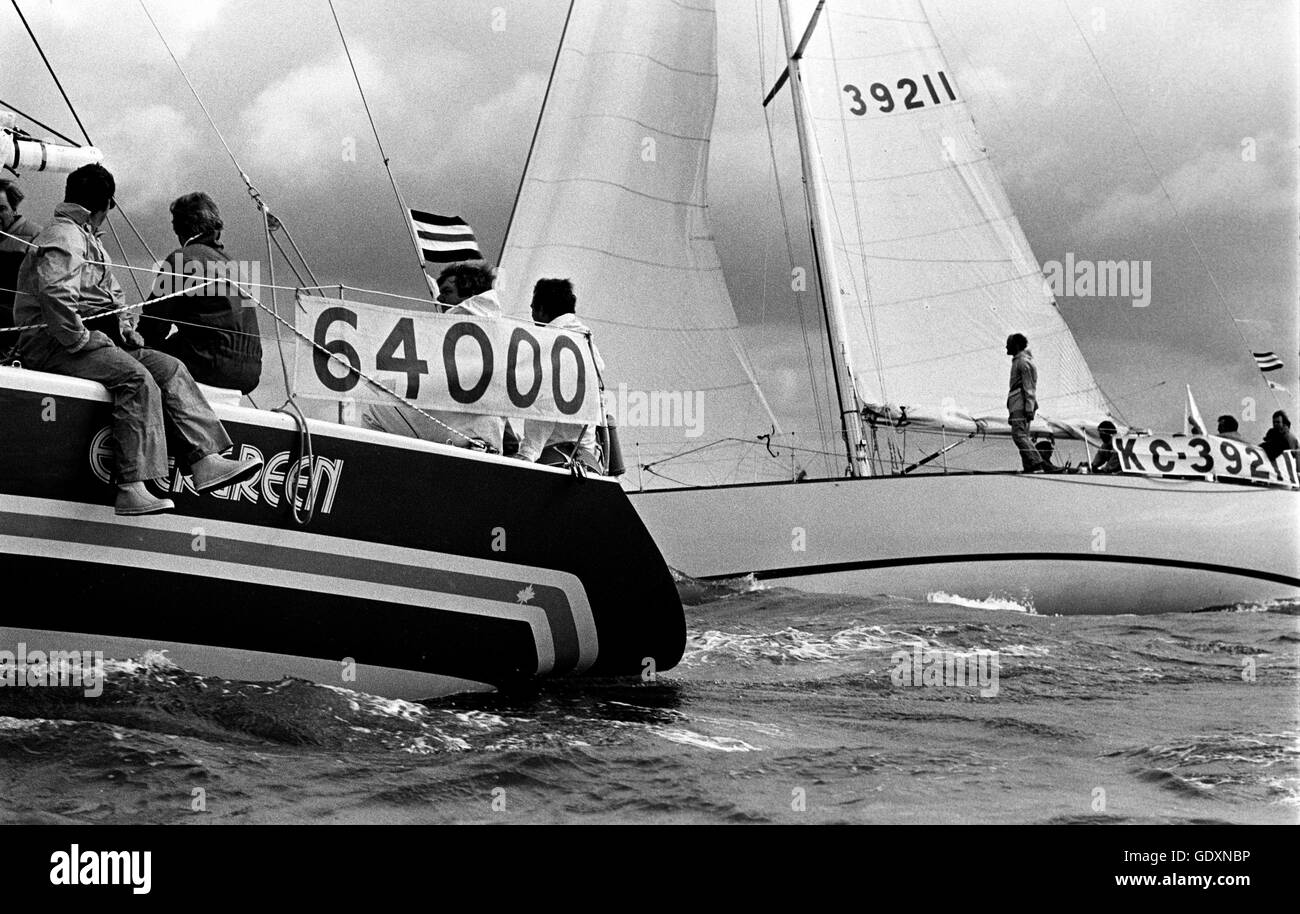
x=1062 y=544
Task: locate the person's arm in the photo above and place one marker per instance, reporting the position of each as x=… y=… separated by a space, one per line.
x=1029 y=384
x=156 y=322
x=58 y=278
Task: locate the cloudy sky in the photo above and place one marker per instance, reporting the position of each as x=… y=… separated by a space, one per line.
x=455 y=85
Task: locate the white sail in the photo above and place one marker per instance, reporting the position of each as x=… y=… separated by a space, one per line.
x=614 y=199
x=935 y=271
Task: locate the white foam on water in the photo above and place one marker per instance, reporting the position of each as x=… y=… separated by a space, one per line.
x=1000 y=604
x=793 y=645
x=148 y=662
x=364 y=703
x=700 y=741
x=485 y=721
x=21 y=723
x=1263 y=606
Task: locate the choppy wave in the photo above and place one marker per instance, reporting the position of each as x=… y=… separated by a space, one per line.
x=781 y=696
x=991 y=602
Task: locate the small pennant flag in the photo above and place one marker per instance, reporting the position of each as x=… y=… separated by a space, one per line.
x=444 y=239
x=1267 y=361
x=1193 y=424
x=1273 y=385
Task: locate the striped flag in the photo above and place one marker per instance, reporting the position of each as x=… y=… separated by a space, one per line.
x=1267 y=361
x=444 y=239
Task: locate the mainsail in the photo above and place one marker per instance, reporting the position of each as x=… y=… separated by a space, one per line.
x=935 y=271
x=614 y=199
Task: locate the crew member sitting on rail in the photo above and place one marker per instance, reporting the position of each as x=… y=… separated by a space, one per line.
x=66 y=279
x=1106 y=460
x=464 y=288
x=1279 y=438
x=211 y=328
x=1227 y=428
x=14 y=244
x=554 y=443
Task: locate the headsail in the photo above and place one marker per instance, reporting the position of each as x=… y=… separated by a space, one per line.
x=614 y=199
x=935 y=270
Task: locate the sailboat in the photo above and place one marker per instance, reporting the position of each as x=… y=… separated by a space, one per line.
x=389 y=565
x=922 y=271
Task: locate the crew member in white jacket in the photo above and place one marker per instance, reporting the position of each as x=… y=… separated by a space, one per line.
x=464 y=288
x=553 y=442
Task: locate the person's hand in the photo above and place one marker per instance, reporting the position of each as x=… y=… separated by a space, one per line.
x=127 y=322
x=98 y=340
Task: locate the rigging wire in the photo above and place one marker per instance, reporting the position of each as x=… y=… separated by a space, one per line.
x=819 y=407
x=253 y=192
x=46 y=127
x=537 y=129
x=401 y=204
x=1182 y=222
x=76 y=117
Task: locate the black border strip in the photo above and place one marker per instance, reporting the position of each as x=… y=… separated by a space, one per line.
x=796 y=571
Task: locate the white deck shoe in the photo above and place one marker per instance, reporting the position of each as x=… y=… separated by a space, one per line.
x=215 y=471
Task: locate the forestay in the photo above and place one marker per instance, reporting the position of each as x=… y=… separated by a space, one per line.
x=614 y=199
x=934 y=268
x=446 y=362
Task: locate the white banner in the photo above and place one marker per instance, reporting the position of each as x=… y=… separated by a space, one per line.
x=446 y=362
x=1204 y=455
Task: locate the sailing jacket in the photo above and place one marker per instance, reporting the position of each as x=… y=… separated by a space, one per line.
x=450 y=428
x=1023 y=398
x=12 y=252
x=65 y=279
x=216 y=333
x=539 y=434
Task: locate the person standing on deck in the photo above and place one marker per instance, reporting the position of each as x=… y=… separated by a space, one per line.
x=64 y=281
x=1022 y=401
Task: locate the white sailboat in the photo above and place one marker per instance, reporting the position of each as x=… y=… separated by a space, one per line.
x=923 y=271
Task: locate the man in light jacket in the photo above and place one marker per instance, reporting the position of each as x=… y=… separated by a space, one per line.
x=555 y=442
x=1022 y=401
x=64 y=282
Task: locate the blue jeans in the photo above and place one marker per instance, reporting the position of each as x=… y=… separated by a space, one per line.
x=153 y=395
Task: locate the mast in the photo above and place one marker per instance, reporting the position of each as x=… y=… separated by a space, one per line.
x=824 y=261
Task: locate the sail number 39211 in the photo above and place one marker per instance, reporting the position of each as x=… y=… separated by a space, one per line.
x=909 y=94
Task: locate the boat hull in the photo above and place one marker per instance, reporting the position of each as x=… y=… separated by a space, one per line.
x=1062 y=544
x=424 y=569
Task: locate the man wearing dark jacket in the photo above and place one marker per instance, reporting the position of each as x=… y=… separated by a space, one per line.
x=215 y=334
x=14 y=244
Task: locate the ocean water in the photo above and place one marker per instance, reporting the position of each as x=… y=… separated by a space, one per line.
x=788 y=707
